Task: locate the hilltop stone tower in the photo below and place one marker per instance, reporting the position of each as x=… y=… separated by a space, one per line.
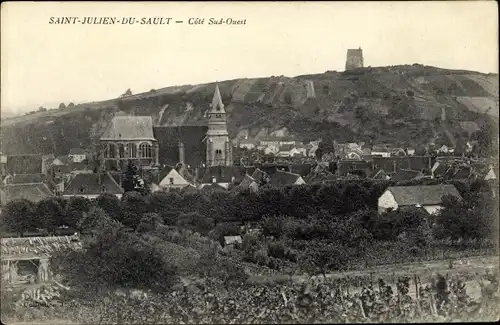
x=219 y=148
x=354 y=59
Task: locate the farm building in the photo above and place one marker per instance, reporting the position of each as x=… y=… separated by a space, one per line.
x=26 y=259
x=428 y=197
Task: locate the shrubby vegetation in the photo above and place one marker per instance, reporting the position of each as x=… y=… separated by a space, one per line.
x=161 y=242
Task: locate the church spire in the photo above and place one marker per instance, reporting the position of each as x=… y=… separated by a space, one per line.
x=217 y=106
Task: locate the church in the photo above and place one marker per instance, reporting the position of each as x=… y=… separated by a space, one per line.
x=150 y=147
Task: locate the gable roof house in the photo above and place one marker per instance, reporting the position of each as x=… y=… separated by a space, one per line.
x=92 y=185
x=248 y=183
x=380 y=151
x=77 y=155
x=285 y=150
x=174 y=178
x=24 y=164
x=357 y=168
x=491 y=174
x=428 y=197
x=32 y=191
x=282 y=178
x=381 y=175
x=407 y=175
x=397 y=152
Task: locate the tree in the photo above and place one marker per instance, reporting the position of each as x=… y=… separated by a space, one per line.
x=50 y=214
x=62 y=106
x=75 y=209
x=132 y=181
x=19 y=216
x=42 y=109
x=196 y=222
x=71 y=104
x=149 y=222
x=325 y=147
x=110 y=204
x=133 y=207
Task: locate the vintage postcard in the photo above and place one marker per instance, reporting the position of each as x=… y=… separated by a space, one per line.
x=249 y=162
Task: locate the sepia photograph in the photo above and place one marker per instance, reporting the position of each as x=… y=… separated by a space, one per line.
x=238 y=162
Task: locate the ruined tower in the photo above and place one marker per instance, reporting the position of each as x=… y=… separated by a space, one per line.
x=354 y=59
x=219 y=148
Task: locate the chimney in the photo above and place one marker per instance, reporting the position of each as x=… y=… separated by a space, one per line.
x=181 y=152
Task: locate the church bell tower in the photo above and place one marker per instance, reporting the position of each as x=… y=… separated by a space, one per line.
x=219 y=148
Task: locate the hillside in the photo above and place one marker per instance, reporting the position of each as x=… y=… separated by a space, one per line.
x=405 y=105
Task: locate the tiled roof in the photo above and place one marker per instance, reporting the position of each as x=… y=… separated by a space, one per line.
x=245 y=183
x=222 y=174
x=282 y=178
x=74 y=166
x=301 y=169
x=423 y=195
x=286 y=147
x=24 y=164
x=389 y=165
x=406 y=175
x=31 y=192
x=380 y=175
x=463 y=173
x=25 y=179
x=169 y=137
x=345 y=166
x=91 y=185
x=77 y=151
x=129 y=128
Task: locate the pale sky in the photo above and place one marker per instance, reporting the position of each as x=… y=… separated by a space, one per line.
x=44 y=64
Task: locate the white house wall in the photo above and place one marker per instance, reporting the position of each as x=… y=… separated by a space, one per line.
x=432 y=209
x=387 y=201
x=179 y=181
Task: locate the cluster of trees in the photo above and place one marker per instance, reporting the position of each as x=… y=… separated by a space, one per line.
x=311 y=227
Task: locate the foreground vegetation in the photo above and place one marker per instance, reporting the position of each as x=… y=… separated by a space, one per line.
x=166 y=248
x=317 y=301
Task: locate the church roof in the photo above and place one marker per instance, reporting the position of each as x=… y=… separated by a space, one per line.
x=169 y=137
x=130 y=128
x=217 y=106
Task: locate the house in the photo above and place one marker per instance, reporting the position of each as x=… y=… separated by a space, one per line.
x=407 y=175
x=93 y=185
x=359 y=168
x=444 y=149
x=381 y=151
x=428 y=197
x=380 y=175
x=222 y=176
x=392 y=164
x=230 y=241
x=353 y=155
x=282 y=178
x=77 y=155
x=31 y=191
x=271 y=149
x=248 y=183
x=410 y=151
x=171 y=178
x=464 y=173
x=24 y=164
x=285 y=150
x=277 y=141
x=248 y=144
x=398 y=152
x=61 y=160
x=298 y=150
x=491 y=174
x=24 y=179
